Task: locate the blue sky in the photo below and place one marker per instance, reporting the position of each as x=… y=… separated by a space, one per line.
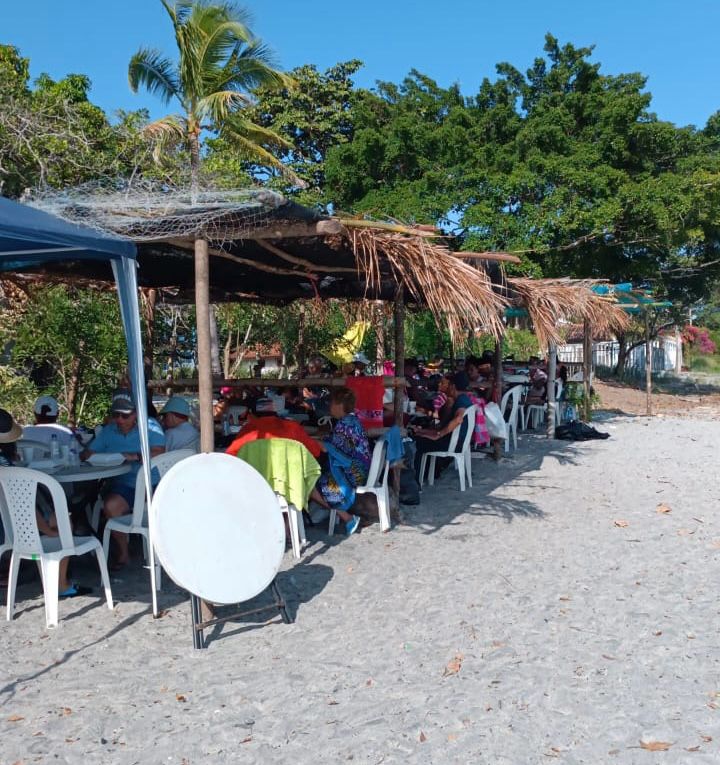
x=673 y=43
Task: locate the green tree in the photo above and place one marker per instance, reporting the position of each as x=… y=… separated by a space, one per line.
x=219 y=63
x=66 y=341
x=313 y=115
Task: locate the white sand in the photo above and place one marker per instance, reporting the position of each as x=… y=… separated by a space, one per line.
x=576 y=638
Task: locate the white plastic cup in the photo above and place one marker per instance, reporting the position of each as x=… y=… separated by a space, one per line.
x=26 y=453
x=412 y=406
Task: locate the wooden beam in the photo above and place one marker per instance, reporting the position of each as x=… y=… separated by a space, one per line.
x=399 y=317
x=191 y=383
x=297 y=230
x=505 y=257
x=310 y=266
x=552 y=404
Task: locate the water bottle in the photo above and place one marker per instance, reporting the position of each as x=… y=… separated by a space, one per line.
x=74 y=456
x=225 y=425
x=54 y=446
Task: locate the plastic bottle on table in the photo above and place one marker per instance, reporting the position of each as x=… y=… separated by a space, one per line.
x=54 y=446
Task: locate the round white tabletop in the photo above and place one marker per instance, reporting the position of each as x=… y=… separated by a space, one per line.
x=218 y=528
x=85 y=472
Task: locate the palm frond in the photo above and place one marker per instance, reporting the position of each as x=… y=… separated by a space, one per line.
x=165 y=133
x=156 y=73
x=257 y=154
x=245 y=128
x=219 y=106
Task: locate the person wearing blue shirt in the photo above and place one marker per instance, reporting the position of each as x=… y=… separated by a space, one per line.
x=122 y=435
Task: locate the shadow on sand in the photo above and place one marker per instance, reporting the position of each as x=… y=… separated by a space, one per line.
x=443 y=503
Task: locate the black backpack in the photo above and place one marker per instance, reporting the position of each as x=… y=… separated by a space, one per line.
x=578 y=431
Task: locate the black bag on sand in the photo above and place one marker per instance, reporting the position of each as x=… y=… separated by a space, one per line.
x=578 y=431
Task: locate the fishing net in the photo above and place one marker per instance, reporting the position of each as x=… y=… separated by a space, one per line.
x=145 y=210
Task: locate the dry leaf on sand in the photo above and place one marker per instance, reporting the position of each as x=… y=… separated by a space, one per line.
x=15 y=718
x=621 y=524
x=423 y=737
x=180 y=697
x=663 y=508
x=656 y=746
x=454 y=665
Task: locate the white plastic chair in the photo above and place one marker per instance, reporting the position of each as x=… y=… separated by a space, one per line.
x=296 y=524
x=19 y=487
x=136 y=521
x=512 y=395
x=536 y=412
x=377 y=484
x=462 y=457
x=7 y=545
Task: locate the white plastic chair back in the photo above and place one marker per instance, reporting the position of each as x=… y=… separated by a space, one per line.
x=33 y=448
x=19 y=486
x=513 y=395
x=379 y=467
x=162 y=463
x=6 y=524
x=461 y=457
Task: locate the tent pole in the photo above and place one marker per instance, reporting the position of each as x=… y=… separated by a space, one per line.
x=587 y=370
x=204 y=360
x=648 y=366
x=398 y=392
x=551 y=403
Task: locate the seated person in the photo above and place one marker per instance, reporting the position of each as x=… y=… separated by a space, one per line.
x=10 y=432
x=122 y=435
x=538 y=387
x=272 y=426
x=451 y=417
x=348 y=438
x=46 y=411
x=360 y=363
x=180 y=433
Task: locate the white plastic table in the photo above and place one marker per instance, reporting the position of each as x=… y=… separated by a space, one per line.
x=85 y=472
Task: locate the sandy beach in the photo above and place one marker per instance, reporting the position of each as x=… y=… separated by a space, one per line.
x=563 y=609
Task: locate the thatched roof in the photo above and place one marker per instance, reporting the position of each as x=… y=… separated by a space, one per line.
x=549 y=301
x=266 y=248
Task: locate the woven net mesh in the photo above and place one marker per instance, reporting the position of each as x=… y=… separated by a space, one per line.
x=146 y=210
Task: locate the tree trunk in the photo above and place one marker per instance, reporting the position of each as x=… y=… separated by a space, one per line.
x=202 y=310
x=587 y=370
x=214 y=343
x=622 y=355
x=380 y=337
x=301 y=350
x=648 y=367
x=398 y=393
x=204 y=360
x=551 y=403
x=74 y=384
x=148 y=303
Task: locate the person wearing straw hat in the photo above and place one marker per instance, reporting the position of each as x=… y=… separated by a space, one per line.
x=180 y=433
x=10 y=432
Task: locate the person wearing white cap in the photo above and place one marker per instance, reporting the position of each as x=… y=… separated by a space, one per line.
x=46 y=411
x=180 y=433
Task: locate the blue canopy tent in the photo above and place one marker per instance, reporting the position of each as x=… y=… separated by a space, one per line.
x=31 y=237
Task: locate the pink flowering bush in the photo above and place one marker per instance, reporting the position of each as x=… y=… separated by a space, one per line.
x=698 y=340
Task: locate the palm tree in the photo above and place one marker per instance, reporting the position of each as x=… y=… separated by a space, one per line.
x=220 y=63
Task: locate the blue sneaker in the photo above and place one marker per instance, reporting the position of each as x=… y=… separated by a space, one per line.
x=352 y=524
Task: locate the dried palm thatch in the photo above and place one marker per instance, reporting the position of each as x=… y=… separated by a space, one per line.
x=455 y=292
x=549 y=301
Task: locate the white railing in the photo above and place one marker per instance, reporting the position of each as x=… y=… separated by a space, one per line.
x=605 y=354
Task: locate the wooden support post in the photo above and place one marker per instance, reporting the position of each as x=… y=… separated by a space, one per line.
x=204 y=360
x=399 y=393
x=551 y=403
x=587 y=370
x=648 y=366
x=678 y=351
x=497 y=395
